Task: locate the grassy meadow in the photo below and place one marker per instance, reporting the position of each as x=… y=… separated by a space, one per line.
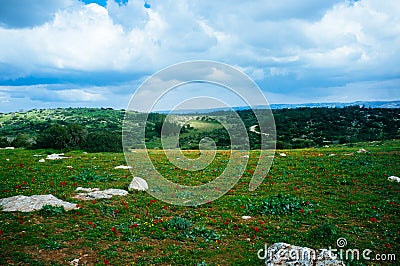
x=310 y=198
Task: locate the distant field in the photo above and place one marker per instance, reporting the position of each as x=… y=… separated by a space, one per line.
x=345 y=190
x=205 y=125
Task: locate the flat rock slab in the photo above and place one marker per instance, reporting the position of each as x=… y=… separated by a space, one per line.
x=33 y=203
x=123 y=167
x=56 y=156
x=282 y=254
x=99 y=194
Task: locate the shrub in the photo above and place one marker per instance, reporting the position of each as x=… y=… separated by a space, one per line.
x=325 y=234
x=179 y=223
x=49 y=210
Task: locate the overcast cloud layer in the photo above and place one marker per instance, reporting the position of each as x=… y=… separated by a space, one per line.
x=71 y=53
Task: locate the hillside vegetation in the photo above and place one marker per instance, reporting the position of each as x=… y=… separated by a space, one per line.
x=96 y=129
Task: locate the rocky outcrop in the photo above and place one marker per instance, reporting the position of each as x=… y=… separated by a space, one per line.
x=95 y=193
x=282 y=254
x=33 y=203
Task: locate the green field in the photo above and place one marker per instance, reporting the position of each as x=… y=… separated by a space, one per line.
x=310 y=198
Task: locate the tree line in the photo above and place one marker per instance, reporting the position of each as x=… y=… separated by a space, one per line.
x=295 y=128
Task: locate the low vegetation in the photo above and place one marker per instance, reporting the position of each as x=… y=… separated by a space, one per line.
x=310 y=198
x=99 y=130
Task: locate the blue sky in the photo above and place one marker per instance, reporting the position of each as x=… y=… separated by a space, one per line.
x=96 y=53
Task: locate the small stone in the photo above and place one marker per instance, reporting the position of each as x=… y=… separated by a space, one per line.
x=42 y=160
x=56 y=156
x=394 y=178
x=138 y=183
x=245 y=217
x=362 y=151
x=282 y=154
x=123 y=167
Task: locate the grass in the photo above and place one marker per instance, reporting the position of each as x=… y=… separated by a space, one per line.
x=309 y=198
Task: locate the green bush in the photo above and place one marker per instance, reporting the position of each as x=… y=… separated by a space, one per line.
x=179 y=223
x=49 y=210
x=4 y=143
x=325 y=234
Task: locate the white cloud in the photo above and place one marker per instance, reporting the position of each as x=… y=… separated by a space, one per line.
x=287 y=46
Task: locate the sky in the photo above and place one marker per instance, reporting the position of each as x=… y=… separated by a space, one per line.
x=72 y=53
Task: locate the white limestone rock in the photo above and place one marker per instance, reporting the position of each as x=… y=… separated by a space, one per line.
x=95 y=193
x=282 y=254
x=123 y=167
x=56 y=156
x=139 y=184
x=33 y=203
x=394 y=178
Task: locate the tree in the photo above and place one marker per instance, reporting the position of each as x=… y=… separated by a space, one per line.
x=77 y=135
x=21 y=141
x=4 y=143
x=56 y=137
x=103 y=141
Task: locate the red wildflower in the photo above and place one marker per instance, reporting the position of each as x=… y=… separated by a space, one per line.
x=226 y=222
x=374 y=220
x=387 y=245
x=1 y=232
x=135 y=225
x=90 y=223
x=106 y=262
x=116 y=211
x=126 y=207
x=94 y=226
x=153 y=201
x=302 y=210
x=392 y=203
x=235 y=227
x=93 y=202
x=256 y=229
x=114 y=230
x=373 y=207
x=242 y=207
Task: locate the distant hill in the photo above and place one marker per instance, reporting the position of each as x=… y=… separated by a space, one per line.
x=365 y=104
x=297 y=126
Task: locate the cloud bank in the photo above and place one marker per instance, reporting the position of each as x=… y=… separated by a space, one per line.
x=70 y=52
